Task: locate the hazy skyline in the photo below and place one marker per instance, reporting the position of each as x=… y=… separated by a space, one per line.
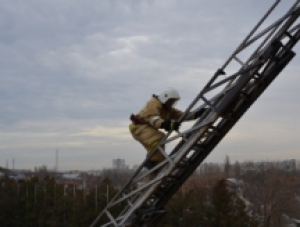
x=73 y=71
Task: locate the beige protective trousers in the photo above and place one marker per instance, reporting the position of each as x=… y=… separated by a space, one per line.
x=149 y=137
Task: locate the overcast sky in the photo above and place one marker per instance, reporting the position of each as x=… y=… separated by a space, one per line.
x=72 y=72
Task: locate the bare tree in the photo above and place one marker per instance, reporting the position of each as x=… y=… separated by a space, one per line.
x=271 y=191
x=227 y=167
x=237 y=170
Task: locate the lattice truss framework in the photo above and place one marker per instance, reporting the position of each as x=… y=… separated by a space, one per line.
x=226 y=98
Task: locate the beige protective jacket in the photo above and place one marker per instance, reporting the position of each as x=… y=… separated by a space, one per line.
x=153 y=114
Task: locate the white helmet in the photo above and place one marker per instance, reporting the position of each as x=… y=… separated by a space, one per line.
x=170 y=93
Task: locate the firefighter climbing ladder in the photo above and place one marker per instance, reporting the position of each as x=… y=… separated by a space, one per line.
x=226 y=98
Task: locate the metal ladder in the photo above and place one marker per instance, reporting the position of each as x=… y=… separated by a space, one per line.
x=226 y=98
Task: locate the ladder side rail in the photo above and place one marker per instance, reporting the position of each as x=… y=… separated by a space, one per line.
x=109 y=215
x=119 y=196
x=289 y=22
x=225 y=90
x=121 y=192
x=273 y=26
x=114 y=203
x=112 y=219
x=285 y=51
x=293 y=29
x=216 y=100
x=127 y=209
x=277 y=67
x=221 y=95
x=263 y=47
x=117 y=199
x=296 y=5
x=209 y=87
x=214 y=117
x=245 y=43
x=275 y=70
x=163 y=141
x=186 y=147
x=174 y=187
x=149 y=193
x=229 y=124
x=273 y=48
x=241 y=46
x=149 y=184
x=269 y=28
x=191 y=130
x=165 y=175
x=198 y=97
x=276 y=74
x=232 y=77
x=257 y=52
x=259 y=49
x=110 y=223
x=294 y=41
x=282 y=34
x=141 y=200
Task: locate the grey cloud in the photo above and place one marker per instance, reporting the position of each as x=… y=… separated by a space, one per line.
x=68 y=65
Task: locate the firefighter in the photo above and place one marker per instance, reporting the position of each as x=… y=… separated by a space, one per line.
x=159 y=113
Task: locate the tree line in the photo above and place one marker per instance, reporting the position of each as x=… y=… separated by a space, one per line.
x=45 y=203
x=204 y=200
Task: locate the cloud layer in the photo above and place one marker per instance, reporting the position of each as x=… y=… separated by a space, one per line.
x=72 y=72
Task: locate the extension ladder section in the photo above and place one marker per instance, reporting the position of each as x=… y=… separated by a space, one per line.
x=226 y=99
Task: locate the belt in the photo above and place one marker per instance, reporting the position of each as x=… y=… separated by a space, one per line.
x=137 y=120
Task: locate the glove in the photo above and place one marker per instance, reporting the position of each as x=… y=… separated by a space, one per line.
x=199 y=113
x=169 y=125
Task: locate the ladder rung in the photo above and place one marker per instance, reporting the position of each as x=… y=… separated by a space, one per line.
x=238 y=60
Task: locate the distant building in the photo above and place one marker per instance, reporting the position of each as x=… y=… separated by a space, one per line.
x=135 y=167
x=71 y=176
x=119 y=163
x=286 y=165
x=297 y=164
